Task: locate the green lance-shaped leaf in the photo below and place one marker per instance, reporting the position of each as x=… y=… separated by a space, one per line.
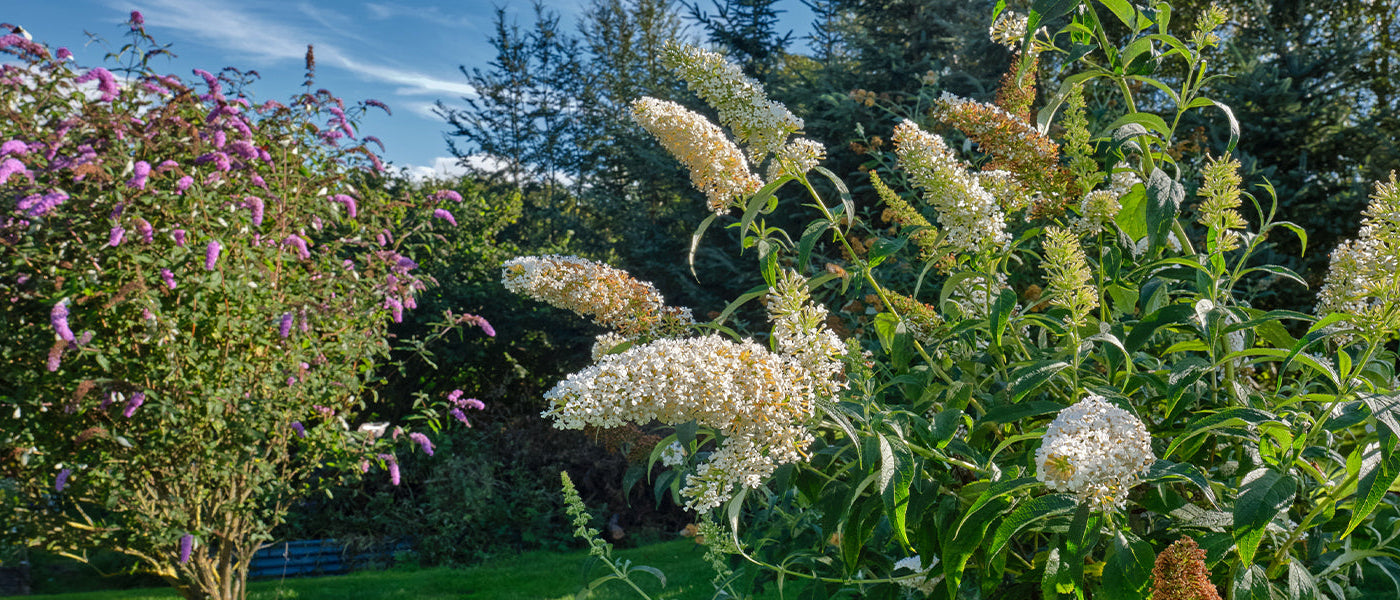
x=1265 y=494
x=1164 y=197
x=896 y=474
x=1127 y=572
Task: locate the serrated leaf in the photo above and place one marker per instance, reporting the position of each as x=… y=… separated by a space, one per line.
x=896 y=474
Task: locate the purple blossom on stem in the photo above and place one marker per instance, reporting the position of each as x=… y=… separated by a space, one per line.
x=183 y=184
x=256 y=205
x=12 y=166
x=258 y=180
x=114 y=238
x=220 y=138
x=474 y=403
x=168 y=277
x=452 y=195
x=372 y=139
x=393 y=467
x=14 y=147
x=446 y=216
x=134 y=403
x=61 y=481
x=58 y=317
x=459 y=415
x=138 y=20
x=379 y=105
x=423 y=442
x=139 y=172
x=395 y=308
x=106 y=83
x=351 y=209
x=244 y=148
x=299 y=244
x=179 y=236
x=166 y=165
x=38 y=206
x=215 y=89
x=64 y=53
x=143 y=227
x=186 y=548
x=285 y=329
x=211 y=254
x=299 y=429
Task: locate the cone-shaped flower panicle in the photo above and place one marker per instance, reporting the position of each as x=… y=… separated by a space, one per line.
x=609 y=296
x=799 y=327
x=758 y=400
x=1068 y=278
x=1180 y=573
x=1361 y=281
x=1095 y=450
x=716 y=165
x=969 y=214
x=795 y=158
x=759 y=123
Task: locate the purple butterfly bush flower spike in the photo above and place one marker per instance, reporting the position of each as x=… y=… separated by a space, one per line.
x=211 y=254
x=58 y=317
x=446 y=216
x=299 y=429
x=137 y=20
x=61 y=481
x=11 y=166
x=186 y=548
x=183 y=184
x=255 y=204
x=134 y=403
x=179 y=236
x=286 y=327
x=139 y=172
x=459 y=415
x=168 y=277
x=423 y=442
x=114 y=238
x=452 y=195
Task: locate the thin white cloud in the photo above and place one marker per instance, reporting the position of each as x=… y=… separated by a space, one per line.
x=381 y=11
x=232 y=27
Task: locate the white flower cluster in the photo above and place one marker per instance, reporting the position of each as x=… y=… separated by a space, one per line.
x=795 y=158
x=1008 y=30
x=1122 y=180
x=1096 y=211
x=799 y=328
x=1003 y=186
x=604 y=343
x=757 y=399
x=673 y=455
x=1096 y=450
x=923 y=581
x=969 y=215
x=716 y=165
x=759 y=123
x=1361 y=279
x=609 y=296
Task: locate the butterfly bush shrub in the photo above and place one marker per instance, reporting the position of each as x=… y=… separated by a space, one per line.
x=1051 y=370
x=195 y=290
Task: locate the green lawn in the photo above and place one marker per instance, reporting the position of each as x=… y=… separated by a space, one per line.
x=533 y=576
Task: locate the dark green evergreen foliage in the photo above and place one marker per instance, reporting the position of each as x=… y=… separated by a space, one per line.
x=748 y=30
x=1313 y=88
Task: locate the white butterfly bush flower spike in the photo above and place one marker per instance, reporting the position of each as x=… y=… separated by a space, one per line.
x=969 y=215
x=758 y=400
x=757 y=122
x=924 y=581
x=673 y=455
x=1361 y=281
x=609 y=296
x=1096 y=451
x=716 y=165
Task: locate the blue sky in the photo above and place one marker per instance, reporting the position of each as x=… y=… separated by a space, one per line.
x=404 y=53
